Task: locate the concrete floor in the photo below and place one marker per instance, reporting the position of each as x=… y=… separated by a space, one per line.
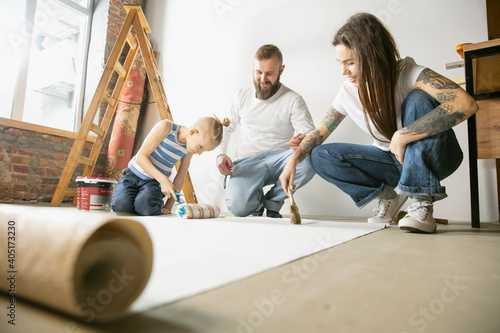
x=387 y=281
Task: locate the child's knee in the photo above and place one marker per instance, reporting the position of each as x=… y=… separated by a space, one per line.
x=149 y=210
x=145 y=206
x=122 y=205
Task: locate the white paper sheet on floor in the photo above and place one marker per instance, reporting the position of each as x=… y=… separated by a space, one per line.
x=193 y=256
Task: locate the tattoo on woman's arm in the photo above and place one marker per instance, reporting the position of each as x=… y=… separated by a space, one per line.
x=332 y=119
x=447 y=96
x=438 y=120
x=428 y=76
x=443 y=117
x=308 y=144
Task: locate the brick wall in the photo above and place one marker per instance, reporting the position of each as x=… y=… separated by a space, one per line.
x=31 y=162
x=117 y=14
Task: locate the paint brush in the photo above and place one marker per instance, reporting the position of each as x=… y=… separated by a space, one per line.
x=294 y=210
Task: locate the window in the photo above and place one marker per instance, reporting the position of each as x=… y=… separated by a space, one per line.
x=45 y=61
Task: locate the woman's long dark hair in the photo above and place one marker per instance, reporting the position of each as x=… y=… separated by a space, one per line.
x=376 y=58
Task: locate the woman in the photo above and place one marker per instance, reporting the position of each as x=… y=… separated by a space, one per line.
x=408 y=109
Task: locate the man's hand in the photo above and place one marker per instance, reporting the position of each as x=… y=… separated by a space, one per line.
x=224 y=164
x=294 y=143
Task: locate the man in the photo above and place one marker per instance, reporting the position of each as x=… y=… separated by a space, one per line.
x=269 y=114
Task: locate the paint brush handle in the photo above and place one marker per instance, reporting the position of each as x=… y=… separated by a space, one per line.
x=290 y=195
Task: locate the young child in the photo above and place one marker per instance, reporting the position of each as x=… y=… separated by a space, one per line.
x=146 y=182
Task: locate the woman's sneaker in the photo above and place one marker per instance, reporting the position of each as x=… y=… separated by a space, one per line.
x=418 y=218
x=386 y=209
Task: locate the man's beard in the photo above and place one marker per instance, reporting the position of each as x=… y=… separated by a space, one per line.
x=268 y=93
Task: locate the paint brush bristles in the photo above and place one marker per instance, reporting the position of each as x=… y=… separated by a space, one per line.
x=294 y=210
x=294 y=215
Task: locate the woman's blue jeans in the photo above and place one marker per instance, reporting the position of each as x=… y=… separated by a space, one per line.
x=363 y=171
x=136 y=196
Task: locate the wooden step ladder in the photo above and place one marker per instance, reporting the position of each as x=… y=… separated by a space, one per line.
x=138 y=43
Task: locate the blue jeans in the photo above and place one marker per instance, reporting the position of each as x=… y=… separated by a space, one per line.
x=363 y=171
x=245 y=191
x=136 y=196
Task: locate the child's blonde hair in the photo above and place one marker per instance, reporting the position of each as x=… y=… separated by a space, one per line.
x=217 y=129
x=214 y=127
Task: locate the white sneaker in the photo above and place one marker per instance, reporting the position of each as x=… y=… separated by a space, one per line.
x=386 y=209
x=418 y=218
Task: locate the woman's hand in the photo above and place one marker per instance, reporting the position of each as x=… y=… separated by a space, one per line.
x=288 y=175
x=398 y=147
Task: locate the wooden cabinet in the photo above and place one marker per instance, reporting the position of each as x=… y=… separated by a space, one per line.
x=482 y=79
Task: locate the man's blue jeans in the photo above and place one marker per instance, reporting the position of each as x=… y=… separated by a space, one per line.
x=136 y=196
x=245 y=191
x=363 y=171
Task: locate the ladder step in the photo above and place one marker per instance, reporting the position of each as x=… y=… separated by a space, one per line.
x=120 y=70
x=97 y=130
x=85 y=161
x=132 y=42
x=70 y=193
x=90 y=138
x=109 y=100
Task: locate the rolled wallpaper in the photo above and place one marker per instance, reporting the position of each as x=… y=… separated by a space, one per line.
x=88 y=265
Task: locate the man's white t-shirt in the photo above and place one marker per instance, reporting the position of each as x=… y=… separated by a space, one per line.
x=266 y=125
x=348 y=103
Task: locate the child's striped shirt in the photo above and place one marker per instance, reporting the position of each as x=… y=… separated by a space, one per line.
x=164 y=157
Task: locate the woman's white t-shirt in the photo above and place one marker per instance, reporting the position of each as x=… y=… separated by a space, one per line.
x=348 y=103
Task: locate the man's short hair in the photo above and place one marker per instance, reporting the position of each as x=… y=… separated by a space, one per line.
x=268 y=51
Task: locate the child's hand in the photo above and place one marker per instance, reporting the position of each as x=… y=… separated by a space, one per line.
x=168 y=188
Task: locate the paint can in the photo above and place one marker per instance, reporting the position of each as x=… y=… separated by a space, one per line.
x=94 y=193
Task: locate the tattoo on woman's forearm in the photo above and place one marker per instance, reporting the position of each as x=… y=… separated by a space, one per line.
x=308 y=144
x=438 y=120
x=332 y=120
x=447 y=96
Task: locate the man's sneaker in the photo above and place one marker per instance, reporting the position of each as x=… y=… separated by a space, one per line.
x=273 y=214
x=418 y=218
x=386 y=209
x=259 y=212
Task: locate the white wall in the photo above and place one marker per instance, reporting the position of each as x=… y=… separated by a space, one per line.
x=206 y=50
